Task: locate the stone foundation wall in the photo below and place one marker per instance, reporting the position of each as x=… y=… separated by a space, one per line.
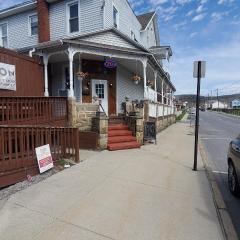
x=81 y=115
x=164 y=122
x=100 y=126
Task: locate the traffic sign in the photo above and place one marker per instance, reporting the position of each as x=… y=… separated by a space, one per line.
x=197 y=71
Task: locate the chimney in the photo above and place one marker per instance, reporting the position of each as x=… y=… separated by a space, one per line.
x=43 y=21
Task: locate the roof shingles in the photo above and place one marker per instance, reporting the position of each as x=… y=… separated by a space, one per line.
x=145 y=18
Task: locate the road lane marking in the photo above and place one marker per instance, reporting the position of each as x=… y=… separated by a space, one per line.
x=220 y=172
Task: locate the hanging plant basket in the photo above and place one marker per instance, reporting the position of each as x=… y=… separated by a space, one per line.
x=136 y=78
x=150 y=83
x=82 y=75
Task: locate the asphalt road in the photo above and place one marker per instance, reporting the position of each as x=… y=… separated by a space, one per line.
x=216 y=131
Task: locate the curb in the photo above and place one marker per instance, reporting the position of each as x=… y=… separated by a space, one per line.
x=224 y=218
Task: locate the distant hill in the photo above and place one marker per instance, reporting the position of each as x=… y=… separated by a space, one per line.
x=191 y=98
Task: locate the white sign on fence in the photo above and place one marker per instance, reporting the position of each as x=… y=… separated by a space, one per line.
x=7 y=76
x=44 y=158
x=202 y=65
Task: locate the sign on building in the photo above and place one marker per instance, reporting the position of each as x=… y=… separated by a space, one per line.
x=7 y=77
x=44 y=158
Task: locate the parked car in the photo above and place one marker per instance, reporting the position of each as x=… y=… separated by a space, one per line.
x=234 y=167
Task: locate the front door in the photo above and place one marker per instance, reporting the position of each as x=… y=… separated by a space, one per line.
x=100 y=90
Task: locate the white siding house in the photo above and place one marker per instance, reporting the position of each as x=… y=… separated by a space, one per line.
x=82 y=36
x=219 y=105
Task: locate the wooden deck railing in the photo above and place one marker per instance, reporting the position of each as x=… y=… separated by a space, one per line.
x=17 y=149
x=33 y=110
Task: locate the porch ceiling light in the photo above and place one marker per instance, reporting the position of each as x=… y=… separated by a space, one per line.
x=136 y=78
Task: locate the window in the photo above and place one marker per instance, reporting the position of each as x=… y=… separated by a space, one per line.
x=73 y=13
x=3 y=35
x=100 y=90
x=33 y=23
x=115 y=17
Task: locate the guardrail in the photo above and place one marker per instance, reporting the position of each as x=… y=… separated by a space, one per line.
x=33 y=110
x=17 y=149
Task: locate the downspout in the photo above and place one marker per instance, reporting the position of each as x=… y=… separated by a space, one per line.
x=31 y=52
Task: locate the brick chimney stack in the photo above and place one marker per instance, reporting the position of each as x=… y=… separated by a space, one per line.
x=43 y=21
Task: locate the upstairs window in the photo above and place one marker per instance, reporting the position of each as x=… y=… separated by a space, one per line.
x=115 y=17
x=33 y=23
x=73 y=13
x=3 y=35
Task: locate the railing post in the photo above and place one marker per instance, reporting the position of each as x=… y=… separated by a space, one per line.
x=77 y=155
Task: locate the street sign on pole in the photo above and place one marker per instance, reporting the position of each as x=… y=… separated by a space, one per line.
x=196 y=69
x=199 y=68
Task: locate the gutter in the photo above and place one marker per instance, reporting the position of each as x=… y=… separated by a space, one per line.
x=31 y=52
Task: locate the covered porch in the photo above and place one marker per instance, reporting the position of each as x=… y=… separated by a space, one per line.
x=90 y=74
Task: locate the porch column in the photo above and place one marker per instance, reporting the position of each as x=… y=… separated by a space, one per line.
x=155 y=85
x=81 y=80
x=70 y=56
x=45 y=62
x=144 y=62
x=162 y=91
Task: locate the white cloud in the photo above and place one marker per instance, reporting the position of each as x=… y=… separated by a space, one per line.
x=190 y=13
x=216 y=16
x=193 y=34
x=137 y=3
x=183 y=2
x=225 y=1
x=155 y=3
x=203 y=1
x=200 y=9
x=222 y=67
x=199 y=17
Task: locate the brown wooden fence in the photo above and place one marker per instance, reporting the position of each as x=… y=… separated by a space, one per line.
x=34 y=110
x=17 y=149
x=29 y=74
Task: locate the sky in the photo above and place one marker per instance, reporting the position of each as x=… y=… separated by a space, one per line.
x=206 y=30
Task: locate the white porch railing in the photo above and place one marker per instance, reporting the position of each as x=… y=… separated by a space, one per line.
x=160 y=110
x=151 y=94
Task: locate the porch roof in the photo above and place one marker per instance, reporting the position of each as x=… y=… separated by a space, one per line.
x=140 y=51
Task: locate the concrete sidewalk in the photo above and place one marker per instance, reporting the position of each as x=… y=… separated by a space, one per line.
x=148 y=193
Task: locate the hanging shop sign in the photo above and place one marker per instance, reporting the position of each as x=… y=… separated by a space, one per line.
x=7 y=77
x=110 y=63
x=44 y=158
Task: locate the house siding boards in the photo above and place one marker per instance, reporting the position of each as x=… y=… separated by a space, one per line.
x=148 y=36
x=109 y=38
x=127 y=19
x=18 y=30
x=126 y=87
x=91 y=18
